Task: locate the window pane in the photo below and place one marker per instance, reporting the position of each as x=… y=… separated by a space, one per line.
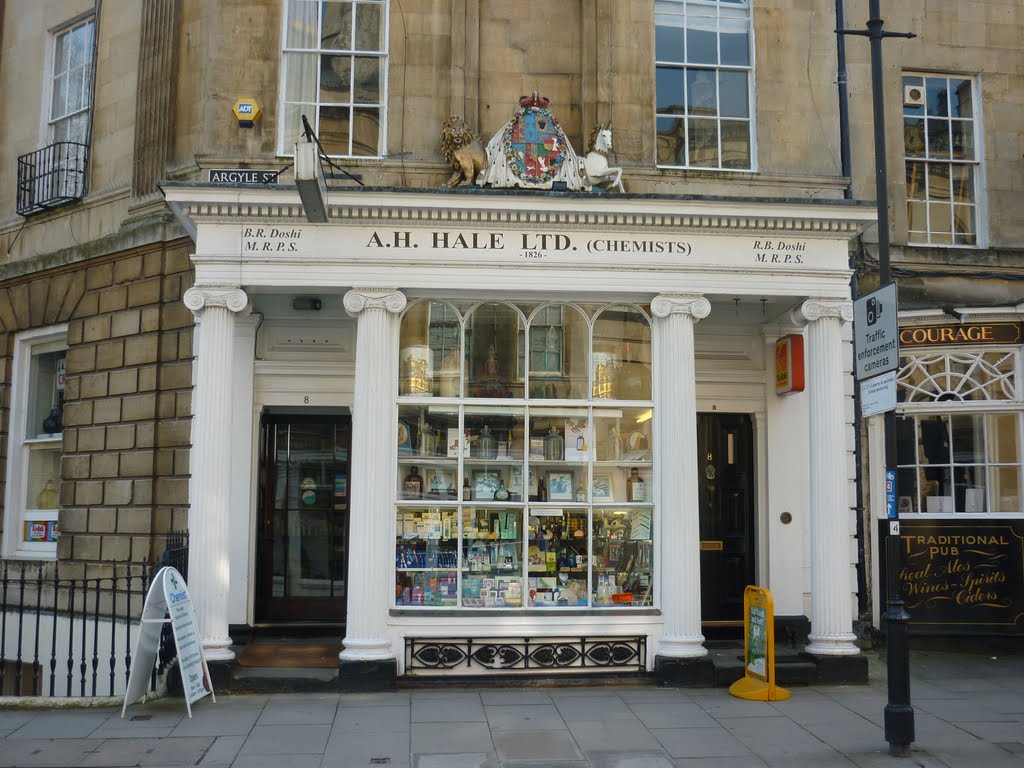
x=701 y=36
x=969 y=490
x=301 y=29
x=43 y=478
x=492 y=340
x=906 y=440
x=46 y=394
x=936 y=489
x=735 y=38
x=963 y=183
x=366 y=134
x=906 y=491
x=335 y=84
x=733 y=93
x=938 y=138
x=671 y=141
x=300 y=76
x=703 y=144
x=913 y=136
x=963 y=139
x=622 y=355
x=938 y=181
x=369 y=27
x=934 y=440
x=964 y=219
x=669 y=90
x=293 y=121
x=936 y=96
x=735 y=144
x=960 y=91
x=76 y=89
x=367 y=80
x=668 y=38
x=559 y=353
x=940 y=218
x=1005 y=489
x=701 y=95
x=58 y=99
x=1002 y=438
x=915 y=181
x=334 y=129
x=336 y=33
x=968 y=439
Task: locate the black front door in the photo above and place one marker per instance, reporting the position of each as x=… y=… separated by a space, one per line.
x=726 y=476
x=302 y=542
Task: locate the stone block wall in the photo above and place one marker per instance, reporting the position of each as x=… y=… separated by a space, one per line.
x=127 y=414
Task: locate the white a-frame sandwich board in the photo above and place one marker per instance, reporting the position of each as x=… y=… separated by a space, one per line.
x=169 y=594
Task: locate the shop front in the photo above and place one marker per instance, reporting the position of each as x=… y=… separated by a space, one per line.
x=958 y=491
x=566 y=451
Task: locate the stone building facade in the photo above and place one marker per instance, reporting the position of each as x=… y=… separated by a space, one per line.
x=106 y=260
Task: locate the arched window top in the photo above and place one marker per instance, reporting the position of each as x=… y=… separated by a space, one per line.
x=961 y=375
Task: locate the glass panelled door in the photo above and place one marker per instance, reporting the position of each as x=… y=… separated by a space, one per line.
x=304 y=471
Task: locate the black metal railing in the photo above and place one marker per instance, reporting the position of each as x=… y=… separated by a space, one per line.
x=51 y=177
x=487 y=655
x=75 y=636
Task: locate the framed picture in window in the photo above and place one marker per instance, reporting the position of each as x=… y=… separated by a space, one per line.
x=601 y=489
x=485 y=484
x=560 y=486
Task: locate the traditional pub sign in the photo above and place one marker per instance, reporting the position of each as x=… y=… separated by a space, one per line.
x=960 y=333
x=964 y=575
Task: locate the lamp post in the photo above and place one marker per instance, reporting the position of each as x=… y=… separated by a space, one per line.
x=899 y=714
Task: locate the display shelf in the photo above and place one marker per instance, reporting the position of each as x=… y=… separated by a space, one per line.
x=492 y=556
x=622 y=556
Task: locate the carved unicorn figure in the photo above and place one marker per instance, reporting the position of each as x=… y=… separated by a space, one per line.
x=594 y=166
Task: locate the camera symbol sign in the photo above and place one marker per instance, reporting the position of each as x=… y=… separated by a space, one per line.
x=876 y=333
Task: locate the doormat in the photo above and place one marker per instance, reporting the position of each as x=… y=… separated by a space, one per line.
x=320 y=654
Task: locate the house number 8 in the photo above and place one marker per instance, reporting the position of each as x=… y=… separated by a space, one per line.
x=306 y=399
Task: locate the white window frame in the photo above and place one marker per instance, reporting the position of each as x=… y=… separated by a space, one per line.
x=751 y=119
x=978 y=163
x=47 y=122
x=286 y=138
x=26 y=345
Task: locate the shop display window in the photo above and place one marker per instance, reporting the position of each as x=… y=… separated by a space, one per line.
x=524 y=473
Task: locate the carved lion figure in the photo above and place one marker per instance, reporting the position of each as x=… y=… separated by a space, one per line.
x=463 y=151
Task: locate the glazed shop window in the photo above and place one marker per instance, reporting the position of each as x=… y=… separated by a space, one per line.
x=942 y=158
x=959 y=463
x=34 y=443
x=524 y=456
x=704 y=84
x=334 y=71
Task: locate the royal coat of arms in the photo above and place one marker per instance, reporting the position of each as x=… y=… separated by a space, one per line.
x=531 y=151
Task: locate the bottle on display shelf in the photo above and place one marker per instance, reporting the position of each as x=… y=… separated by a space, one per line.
x=636 y=488
x=467 y=492
x=412 y=486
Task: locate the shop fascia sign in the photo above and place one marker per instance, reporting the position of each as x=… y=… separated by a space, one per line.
x=960 y=334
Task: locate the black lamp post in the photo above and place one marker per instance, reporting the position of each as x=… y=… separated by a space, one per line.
x=899 y=714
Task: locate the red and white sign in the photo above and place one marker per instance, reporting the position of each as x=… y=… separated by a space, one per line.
x=789 y=364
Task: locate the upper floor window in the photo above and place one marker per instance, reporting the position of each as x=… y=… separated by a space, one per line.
x=71 y=82
x=704 y=84
x=35 y=443
x=941 y=150
x=334 y=71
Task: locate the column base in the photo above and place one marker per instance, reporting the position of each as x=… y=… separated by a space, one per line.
x=841 y=670
x=833 y=645
x=368 y=676
x=689 y=672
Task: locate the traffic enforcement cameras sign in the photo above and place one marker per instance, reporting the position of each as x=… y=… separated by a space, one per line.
x=876 y=333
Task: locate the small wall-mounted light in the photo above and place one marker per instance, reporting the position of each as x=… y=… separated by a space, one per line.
x=307 y=303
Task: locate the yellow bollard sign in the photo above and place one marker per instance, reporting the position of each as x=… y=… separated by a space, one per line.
x=758 y=681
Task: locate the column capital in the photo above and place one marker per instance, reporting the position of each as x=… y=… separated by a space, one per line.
x=229 y=296
x=815 y=309
x=696 y=307
x=390 y=299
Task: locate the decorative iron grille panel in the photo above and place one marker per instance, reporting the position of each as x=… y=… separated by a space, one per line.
x=51 y=177
x=526 y=654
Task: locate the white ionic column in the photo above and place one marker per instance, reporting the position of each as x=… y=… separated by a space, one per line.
x=831 y=518
x=210 y=533
x=371 y=548
x=675 y=472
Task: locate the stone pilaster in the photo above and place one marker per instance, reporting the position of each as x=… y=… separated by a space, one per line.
x=831 y=590
x=675 y=470
x=209 y=492
x=158 y=74
x=368 y=661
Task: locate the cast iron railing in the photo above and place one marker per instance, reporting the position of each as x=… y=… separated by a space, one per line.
x=75 y=637
x=51 y=177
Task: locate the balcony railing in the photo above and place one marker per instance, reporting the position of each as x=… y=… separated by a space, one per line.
x=51 y=177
